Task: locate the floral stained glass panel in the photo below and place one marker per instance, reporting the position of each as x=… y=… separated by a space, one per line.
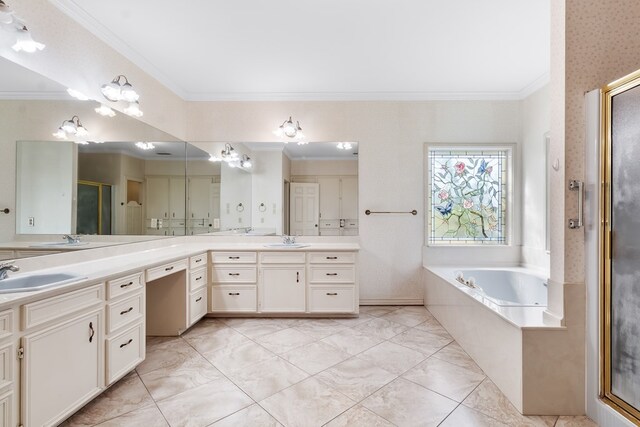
x=467 y=196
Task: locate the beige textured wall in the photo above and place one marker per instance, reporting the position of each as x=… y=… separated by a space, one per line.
x=391 y=137
x=76 y=58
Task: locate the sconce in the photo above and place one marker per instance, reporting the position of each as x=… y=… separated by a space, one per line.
x=73 y=126
x=24 y=41
x=228 y=154
x=288 y=130
x=116 y=91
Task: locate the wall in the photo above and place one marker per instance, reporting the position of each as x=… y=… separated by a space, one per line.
x=236 y=190
x=536 y=117
x=391 y=137
x=324 y=167
x=267 y=186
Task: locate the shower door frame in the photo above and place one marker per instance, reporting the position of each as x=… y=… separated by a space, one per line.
x=608 y=92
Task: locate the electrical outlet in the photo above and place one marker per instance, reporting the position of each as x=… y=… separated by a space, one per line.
x=262 y=220
x=32 y=222
x=240 y=220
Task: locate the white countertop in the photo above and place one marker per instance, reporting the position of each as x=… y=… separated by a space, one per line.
x=98 y=270
x=51 y=246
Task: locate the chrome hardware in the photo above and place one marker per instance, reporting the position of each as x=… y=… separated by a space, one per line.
x=234 y=293
x=368 y=212
x=578 y=186
x=71 y=239
x=21 y=353
x=5 y=210
x=199 y=299
x=127 y=343
x=332 y=293
x=6 y=267
x=126 y=285
x=289 y=240
x=93 y=332
x=122 y=313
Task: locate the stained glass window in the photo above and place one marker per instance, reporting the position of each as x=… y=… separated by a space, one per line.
x=467 y=196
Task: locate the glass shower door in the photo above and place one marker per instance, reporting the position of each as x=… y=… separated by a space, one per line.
x=94 y=211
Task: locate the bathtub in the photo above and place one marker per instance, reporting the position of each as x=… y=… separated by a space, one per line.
x=500 y=323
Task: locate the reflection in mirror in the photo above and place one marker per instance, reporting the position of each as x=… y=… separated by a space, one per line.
x=323 y=189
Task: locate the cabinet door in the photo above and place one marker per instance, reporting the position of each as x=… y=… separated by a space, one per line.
x=200 y=195
x=329 y=198
x=177 y=197
x=283 y=289
x=62 y=369
x=349 y=198
x=157 y=197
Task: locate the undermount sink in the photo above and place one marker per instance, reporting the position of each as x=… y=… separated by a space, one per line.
x=36 y=282
x=57 y=244
x=286 y=245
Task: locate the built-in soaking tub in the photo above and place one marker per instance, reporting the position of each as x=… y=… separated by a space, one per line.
x=498 y=319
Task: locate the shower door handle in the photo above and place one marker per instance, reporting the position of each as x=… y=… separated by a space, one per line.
x=578 y=186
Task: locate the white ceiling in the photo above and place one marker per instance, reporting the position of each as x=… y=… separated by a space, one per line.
x=330 y=49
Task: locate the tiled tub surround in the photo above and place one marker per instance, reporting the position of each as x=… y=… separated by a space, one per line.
x=529 y=361
x=88 y=316
x=391 y=366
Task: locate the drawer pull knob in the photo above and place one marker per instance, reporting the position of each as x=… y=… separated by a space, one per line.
x=332 y=274
x=234 y=274
x=332 y=257
x=168 y=268
x=234 y=257
x=332 y=293
x=199 y=299
x=199 y=278
x=199 y=259
x=127 y=343
x=126 y=285
x=297 y=277
x=234 y=293
x=93 y=332
x=122 y=313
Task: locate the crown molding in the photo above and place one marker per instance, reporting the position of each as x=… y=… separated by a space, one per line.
x=535 y=85
x=82 y=17
x=35 y=96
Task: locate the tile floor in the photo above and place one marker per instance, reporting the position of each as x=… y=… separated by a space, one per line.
x=391 y=366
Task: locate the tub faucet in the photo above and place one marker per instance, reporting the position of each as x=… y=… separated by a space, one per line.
x=71 y=239
x=289 y=240
x=7 y=266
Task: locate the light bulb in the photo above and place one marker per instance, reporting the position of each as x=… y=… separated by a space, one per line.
x=69 y=127
x=127 y=93
x=299 y=135
x=279 y=132
x=60 y=134
x=25 y=43
x=103 y=110
x=133 y=110
x=81 y=131
x=145 y=145
x=6 y=14
x=347 y=146
x=78 y=95
x=111 y=91
x=214 y=158
x=247 y=164
x=289 y=129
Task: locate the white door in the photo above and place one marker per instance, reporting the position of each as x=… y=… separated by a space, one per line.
x=200 y=197
x=283 y=289
x=62 y=368
x=349 y=197
x=177 y=197
x=305 y=206
x=157 y=197
x=329 y=198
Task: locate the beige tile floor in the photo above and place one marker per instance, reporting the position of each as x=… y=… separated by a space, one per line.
x=391 y=366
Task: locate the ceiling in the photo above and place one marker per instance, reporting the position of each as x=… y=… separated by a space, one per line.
x=330 y=49
x=170 y=150
x=18 y=82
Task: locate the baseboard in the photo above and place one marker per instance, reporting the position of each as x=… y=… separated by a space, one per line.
x=392 y=301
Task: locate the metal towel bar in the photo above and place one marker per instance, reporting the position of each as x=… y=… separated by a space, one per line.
x=368 y=212
x=578 y=186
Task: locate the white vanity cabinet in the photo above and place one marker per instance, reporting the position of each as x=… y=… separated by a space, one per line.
x=198 y=279
x=282 y=282
x=63 y=355
x=233 y=282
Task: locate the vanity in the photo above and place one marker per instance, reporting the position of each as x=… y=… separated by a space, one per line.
x=62 y=346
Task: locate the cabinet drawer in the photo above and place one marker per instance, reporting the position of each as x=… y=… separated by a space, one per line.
x=197 y=305
x=282 y=257
x=233 y=274
x=166 y=269
x=6 y=324
x=333 y=274
x=198 y=261
x=123 y=285
x=234 y=298
x=47 y=310
x=330 y=232
x=197 y=279
x=6 y=366
x=332 y=299
x=124 y=312
x=6 y=408
x=233 y=257
x=6 y=255
x=350 y=223
x=124 y=352
x=332 y=257
x=329 y=223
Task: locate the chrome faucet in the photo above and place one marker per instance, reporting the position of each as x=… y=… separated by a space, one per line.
x=7 y=266
x=289 y=240
x=71 y=239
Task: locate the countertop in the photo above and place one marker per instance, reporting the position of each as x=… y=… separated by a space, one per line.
x=98 y=270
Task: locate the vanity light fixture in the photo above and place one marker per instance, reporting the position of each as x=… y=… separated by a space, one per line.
x=344 y=146
x=230 y=156
x=116 y=91
x=73 y=126
x=77 y=95
x=134 y=110
x=245 y=162
x=145 y=145
x=6 y=14
x=288 y=131
x=105 y=111
x=25 y=42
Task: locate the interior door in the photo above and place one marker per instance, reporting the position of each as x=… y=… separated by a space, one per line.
x=305 y=209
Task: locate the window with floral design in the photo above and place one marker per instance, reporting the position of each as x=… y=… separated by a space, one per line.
x=467 y=195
